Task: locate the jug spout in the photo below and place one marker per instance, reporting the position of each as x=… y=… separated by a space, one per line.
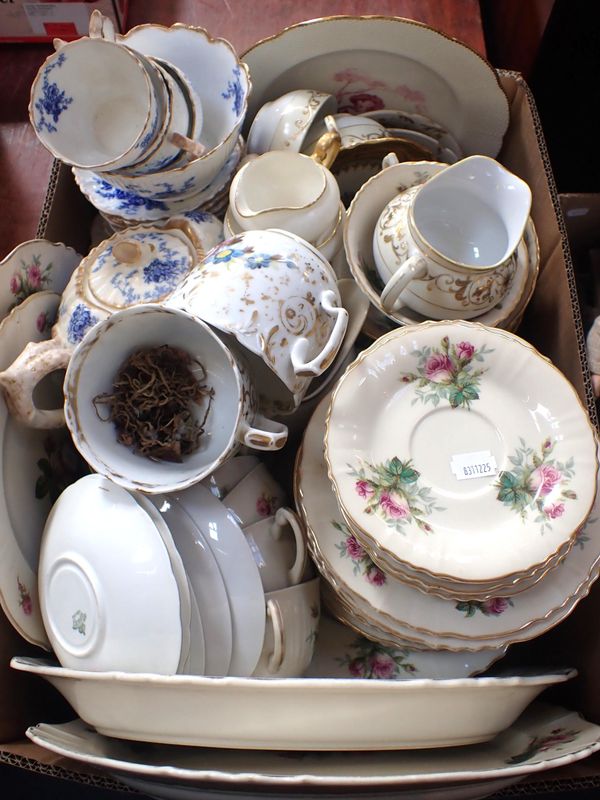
x=473 y=213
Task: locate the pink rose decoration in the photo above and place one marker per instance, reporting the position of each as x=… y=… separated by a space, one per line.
x=265 y=505
x=382 y=666
x=438 y=368
x=41 y=321
x=395 y=508
x=554 y=510
x=465 y=350
x=364 y=488
x=376 y=576
x=544 y=479
x=496 y=605
x=34 y=276
x=356 y=669
x=360 y=102
x=354 y=549
x=15 y=284
x=26 y=605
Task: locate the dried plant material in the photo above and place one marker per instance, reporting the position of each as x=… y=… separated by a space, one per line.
x=152 y=403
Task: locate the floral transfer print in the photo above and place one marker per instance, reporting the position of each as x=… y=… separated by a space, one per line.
x=489 y=608
x=235 y=92
x=391 y=490
x=362 y=564
x=80 y=322
x=359 y=93
x=247 y=256
x=79 y=618
x=43 y=322
x=24 y=598
x=448 y=373
x=126 y=202
x=53 y=101
x=369 y=659
x=537 y=484
x=540 y=744
x=29 y=278
x=266 y=505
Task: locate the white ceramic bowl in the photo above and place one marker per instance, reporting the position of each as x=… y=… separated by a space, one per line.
x=206 y=582
x=240 y=573
x=108 y=595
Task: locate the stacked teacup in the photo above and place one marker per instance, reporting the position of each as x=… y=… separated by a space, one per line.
x=146 y=138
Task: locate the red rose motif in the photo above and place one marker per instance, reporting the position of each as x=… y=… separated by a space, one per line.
x=544 y=479
x=356 y=668
x=27 y=605
x=354 y=549
x=554 y=510
x=496 y=605
x=41 y=321
x=465 y=350
x=364 y=488
x=382 y=666
x=16 y=284
x=376 y=576
x=438 y=368
x=360 y=103
x=34 y=276
x=265 y=505
x=395 y=508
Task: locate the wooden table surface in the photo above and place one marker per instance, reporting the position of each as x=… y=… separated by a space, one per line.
x=25 y=164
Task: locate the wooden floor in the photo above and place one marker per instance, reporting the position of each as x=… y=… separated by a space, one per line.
x=25 y=164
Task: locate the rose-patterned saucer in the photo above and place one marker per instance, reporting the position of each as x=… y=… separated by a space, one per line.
x=398 y=610
x=34 y=266
x=443 y=79
x=341 y=652
x=41 y=464
x=476 y=460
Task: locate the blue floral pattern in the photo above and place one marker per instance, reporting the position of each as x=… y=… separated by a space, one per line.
x=127 y=201
x=235 y=91
x=249 y=259
x=151 y=281
x=81 y=321
x=53 y=100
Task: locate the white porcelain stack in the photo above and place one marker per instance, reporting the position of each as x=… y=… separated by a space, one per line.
x=445 y=482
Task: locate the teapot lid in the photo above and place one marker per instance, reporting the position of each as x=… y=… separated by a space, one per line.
x=138 y=265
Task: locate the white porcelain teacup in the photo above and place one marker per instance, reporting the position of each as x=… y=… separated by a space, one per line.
x=97 y=105
x=224 y=478
x=353 y=128
x=292 y=623
x=229 y=419
x=278 y=545
x=257 y=496
x=286 y=123
x=442 y=248
x=285 y=190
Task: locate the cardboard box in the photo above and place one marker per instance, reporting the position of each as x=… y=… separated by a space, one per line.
x=552 y=323
x=582 y=218
x=43 y=20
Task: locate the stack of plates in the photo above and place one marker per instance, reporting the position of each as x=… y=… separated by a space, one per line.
x=457 y=512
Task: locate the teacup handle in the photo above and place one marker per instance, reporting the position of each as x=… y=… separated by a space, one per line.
x=101 y=27
x=283 y=517
x=413 y=268
x=18 y=381
x=277 y=656
x=320 y=363
x=270 y=436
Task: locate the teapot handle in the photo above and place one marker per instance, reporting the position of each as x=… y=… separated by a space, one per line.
x=19 y=380
x=323 y=360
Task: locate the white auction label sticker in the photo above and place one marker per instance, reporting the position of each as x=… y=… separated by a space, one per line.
x=466 y=466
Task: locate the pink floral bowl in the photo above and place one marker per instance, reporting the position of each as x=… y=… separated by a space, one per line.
x=475 y=462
